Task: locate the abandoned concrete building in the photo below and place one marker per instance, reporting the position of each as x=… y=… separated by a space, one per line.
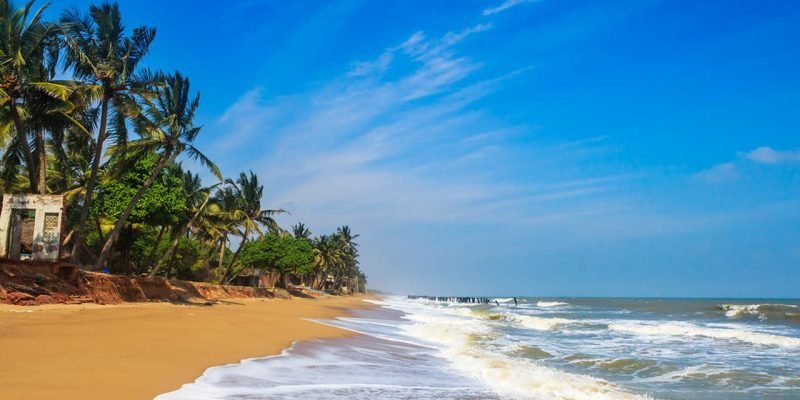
x=31 y=226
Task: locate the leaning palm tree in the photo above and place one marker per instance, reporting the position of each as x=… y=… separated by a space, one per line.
x=166 y=126
x=197 y=211
x=99 y=53
x=28 y=56
x=243 y=200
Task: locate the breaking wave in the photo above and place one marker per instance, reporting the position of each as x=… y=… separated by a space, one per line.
x=551 y=304
x=789 y=312
x=516 y=378
x=685 y=329
x=540 y=323
x=528 y=321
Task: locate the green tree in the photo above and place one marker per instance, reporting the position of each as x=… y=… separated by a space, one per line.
x=241 y=199
x=283 y=254
x=99 y=54
x=161 y=205
x=166 y=126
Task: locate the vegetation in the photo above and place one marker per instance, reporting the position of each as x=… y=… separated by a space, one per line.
x=110 y=139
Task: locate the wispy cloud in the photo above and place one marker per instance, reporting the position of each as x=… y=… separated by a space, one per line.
x=768 y=155
x=505 y=6
x=416 y=147
x=724 y=172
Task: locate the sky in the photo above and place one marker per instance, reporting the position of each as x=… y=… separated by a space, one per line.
x=512 y=147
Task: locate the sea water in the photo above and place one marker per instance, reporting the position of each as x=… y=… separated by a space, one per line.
x=543 y=348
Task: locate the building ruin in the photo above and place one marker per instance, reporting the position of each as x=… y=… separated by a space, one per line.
x=31 y=226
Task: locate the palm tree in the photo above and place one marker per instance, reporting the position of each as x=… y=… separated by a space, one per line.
x=194 y=194
x=166 y=125
x=326 y=257
x=28 y=56
x=53 y=115
x=347 y=267
x=242 y=198
x=99 y=53
x=301 y=231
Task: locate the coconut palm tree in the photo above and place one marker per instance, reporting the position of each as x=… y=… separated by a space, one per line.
x=28 y=56
x=301 y=231
x=242 y=199
x=53 y=116
x=327 y=256
x=166 y=126
x=195 y=194
x=99 y=54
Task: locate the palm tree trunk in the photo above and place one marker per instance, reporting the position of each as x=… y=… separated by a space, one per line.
x=222 y=242
x=87 y=199
x=112 y=237
x=22 y=138
x=236 y=254
x=99 y=230
x=42 y=181
x=152 y=254
x=177 y=239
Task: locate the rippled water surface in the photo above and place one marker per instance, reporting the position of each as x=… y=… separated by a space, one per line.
x=541 y=349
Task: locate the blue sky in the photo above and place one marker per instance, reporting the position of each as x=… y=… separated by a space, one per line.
x=552 y=147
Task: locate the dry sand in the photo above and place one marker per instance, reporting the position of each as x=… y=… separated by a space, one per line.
x=138 y=350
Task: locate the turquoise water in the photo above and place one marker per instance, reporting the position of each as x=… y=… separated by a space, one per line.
x=543 y=348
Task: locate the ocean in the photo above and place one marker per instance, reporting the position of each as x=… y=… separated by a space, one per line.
x=543 y=348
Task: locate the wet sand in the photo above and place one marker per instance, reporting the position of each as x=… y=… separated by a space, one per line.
x=138 y=350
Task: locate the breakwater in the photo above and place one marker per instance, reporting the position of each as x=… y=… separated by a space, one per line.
x=472 y=300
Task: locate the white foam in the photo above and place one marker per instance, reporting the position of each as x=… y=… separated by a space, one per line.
x=685 y=329
x=522 y=379
x=540 y=323
x=551 y=304
x=515 y=378
x=737 y=310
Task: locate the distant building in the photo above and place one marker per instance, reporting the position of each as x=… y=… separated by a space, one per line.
x=31 y=226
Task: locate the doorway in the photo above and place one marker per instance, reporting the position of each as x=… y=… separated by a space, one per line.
x=21 y=238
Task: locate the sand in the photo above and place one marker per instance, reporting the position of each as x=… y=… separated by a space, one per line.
x=138 y=350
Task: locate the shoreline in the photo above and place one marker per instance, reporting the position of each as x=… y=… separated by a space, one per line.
x=140 y=350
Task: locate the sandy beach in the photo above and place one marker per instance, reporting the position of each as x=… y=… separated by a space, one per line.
x=138 y=350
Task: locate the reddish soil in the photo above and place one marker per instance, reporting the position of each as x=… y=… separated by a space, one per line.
x=33 y=283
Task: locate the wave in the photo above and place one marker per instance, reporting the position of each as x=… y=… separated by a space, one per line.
x=684 y=329
x=527 y=321
x=762 y=311
x=542 y=324
x=551 y=304
x=508 y=376
x=522 y=379
x=503 y=300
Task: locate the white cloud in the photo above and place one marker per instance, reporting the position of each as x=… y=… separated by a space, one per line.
x=505 y=6
x=375 y=67
x=370 y=150
x=768 y=155
x=719 y=173
x=243 y=120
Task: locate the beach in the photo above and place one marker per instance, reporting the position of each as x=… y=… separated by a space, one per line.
x=139 y=350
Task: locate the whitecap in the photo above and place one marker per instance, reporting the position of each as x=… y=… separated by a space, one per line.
x=685 y=329
x=551 y=304
x=540 y=323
